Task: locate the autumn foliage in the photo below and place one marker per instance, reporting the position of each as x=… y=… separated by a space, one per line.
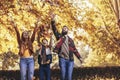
x=91 y=25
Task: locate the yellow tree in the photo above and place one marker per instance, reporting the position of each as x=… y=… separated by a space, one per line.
x=107 y=33
x=90 y=24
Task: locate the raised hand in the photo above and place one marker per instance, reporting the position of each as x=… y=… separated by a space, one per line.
x=52 y=15
x=11 y=20
x=13 y=24
x=37 y=24
x=36 y=28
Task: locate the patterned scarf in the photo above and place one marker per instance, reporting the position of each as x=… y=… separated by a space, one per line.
x=65 y=47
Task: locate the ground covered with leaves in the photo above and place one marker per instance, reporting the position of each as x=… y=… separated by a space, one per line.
x=85 y=73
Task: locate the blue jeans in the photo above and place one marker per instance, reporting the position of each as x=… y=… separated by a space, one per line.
x=26 y=65
x=44 y=72
x=66 y=68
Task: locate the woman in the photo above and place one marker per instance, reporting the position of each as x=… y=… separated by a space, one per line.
x=26 y=52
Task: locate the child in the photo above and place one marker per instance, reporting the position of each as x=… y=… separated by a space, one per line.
x=44 y=59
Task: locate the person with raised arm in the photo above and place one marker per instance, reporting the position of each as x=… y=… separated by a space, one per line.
x=65 y=48
x=44 y=57
x=26 y=52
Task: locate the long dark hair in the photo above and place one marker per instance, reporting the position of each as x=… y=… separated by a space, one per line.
x=22 y=37
x=29 y=43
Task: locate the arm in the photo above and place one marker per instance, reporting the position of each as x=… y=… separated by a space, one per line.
x=55 y=31
x=38 y=38
x=51 y=39
x=77 y=54
x=17 y=32
x=35 y=30
x=38 y=52
x=49 y=59
x=33 y=35
x=58 y=45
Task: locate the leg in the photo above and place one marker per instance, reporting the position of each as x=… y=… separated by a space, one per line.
x=47 y=72
x=23 y=68
x=30 y=68
x=41 y=72
x=70 y=65
x=62 y=64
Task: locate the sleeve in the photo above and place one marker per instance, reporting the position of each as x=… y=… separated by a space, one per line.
x=49 y=57
x=38 y=38
x=38 y=58
x=55 y=31
x=77 y=54
x=18 y=35
x=33 y=35
x=58 y=45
